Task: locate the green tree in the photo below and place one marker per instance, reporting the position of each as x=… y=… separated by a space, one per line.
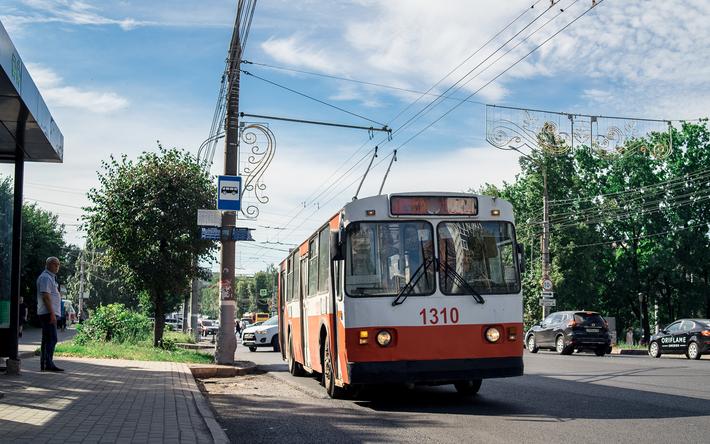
x=42 y=237
x=621 y=226
x=144 y=217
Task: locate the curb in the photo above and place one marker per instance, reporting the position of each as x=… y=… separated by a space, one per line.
x=189 y=346
x=219 y=436
x=206 y=371
x=617 y=351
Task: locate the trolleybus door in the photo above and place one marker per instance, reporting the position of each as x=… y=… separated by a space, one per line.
x=304 y=312
x=282 y=313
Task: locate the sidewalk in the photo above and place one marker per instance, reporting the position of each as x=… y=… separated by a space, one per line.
x=102 y=400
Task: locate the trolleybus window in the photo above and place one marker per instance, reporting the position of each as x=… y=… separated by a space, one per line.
x=323 y=271
x=312 y=267
x=383 y=257
x=483 y=253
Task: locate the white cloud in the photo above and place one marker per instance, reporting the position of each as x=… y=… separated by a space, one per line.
x=66 y=11
x=56 y=94
x=405 y=42
x=647 y=52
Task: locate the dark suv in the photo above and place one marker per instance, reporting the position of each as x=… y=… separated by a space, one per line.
x=567 y=331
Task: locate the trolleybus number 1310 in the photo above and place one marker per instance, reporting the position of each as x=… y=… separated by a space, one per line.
x=434 y=316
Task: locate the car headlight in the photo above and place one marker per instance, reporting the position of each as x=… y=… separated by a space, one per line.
x=492 y=334
x=261 y=332
x=384 y=338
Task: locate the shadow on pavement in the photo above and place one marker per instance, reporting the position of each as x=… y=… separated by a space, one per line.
x=270 y=419
x=90 y=401
x=537 y=398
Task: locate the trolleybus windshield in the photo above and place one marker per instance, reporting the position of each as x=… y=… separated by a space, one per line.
x=383 y=257
x=482 y=253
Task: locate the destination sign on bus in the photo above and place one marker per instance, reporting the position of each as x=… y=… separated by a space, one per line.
x=433 y=205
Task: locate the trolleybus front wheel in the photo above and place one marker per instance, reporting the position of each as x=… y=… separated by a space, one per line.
x=329 y=374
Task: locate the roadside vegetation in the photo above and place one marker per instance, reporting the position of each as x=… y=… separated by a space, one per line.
x=629 y=230
x=115 y=332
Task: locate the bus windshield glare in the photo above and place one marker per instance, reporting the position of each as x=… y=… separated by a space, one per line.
x=383 y=257
x=483 y=253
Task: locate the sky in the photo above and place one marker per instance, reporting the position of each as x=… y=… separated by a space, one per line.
x=120 y=75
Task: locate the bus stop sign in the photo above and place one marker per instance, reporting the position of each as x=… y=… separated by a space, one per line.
x=229 y=193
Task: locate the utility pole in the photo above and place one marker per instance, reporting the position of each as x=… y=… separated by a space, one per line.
x=81 y=284
x=545 y=236
x=195 y=308
x=226 y=339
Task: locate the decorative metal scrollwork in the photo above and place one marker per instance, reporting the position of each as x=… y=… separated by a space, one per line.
x=557 y=133
x=259 y=152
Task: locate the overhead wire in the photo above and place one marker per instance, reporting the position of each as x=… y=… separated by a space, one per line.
x=322 y=102
x=419 y=98
x=471 y=95
x=423 y=110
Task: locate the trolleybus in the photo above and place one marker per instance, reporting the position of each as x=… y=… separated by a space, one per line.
x=419 y=288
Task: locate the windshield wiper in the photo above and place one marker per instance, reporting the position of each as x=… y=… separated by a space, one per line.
x=462 y=282
x=413 y=281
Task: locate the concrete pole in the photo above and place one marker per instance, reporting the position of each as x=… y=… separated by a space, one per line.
x=226 y=338
x=195 y=308
x=81 y=284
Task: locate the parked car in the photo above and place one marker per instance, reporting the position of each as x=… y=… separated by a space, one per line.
x=567 y=331
x=689 y=336
x=173 y=324
x=262 y=335
x=207 y=327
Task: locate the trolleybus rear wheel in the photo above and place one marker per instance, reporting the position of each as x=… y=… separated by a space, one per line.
x=468 y=388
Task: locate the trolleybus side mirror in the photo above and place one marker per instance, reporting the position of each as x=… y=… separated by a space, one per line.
x=336 y=246
x=521 y=258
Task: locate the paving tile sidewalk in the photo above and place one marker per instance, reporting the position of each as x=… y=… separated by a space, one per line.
x=102 y=400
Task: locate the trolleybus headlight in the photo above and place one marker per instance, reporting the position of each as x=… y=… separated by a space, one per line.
x=384 y=338
x=492 y=334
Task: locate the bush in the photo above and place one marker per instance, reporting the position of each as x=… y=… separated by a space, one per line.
x=114 y=323
x=169 y=344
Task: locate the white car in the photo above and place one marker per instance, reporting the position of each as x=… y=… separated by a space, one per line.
x=264 y=335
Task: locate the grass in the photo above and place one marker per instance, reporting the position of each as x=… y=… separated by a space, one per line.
x=140 y=351
x=179 y=336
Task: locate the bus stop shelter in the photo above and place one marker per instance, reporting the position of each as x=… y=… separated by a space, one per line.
x=28 y=133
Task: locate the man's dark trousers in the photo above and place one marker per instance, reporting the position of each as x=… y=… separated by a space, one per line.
x=49 y=341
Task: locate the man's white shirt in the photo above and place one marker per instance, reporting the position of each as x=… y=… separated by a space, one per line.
x=47 y=283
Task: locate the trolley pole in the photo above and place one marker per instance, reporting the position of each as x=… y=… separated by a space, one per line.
x=226 y=338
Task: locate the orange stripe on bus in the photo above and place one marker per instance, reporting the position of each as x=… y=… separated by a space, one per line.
x=432 y=343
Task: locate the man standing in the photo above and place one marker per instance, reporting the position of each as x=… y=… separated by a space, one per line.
x=49 y=309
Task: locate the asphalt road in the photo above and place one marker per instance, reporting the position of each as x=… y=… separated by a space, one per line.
x=580 y=398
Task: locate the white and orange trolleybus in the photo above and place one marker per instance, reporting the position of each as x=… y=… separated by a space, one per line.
x=419 y=288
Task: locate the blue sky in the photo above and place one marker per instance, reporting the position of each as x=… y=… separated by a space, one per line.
x=119 y=75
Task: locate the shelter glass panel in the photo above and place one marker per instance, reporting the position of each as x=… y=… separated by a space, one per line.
x=7 y=194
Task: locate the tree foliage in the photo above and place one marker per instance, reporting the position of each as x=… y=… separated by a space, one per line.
x=628 y=232
x=144 y=217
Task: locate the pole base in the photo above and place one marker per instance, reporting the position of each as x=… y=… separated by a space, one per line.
x=13 y=367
